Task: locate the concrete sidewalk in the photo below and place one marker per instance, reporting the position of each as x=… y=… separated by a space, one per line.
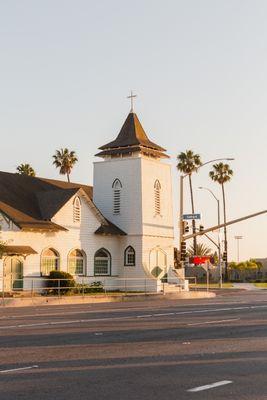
x=245 y=286
x=38 y=301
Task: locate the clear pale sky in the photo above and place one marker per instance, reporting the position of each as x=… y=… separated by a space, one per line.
x=199 y=69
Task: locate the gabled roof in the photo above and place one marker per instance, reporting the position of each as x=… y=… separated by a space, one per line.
x=32 y=202
x=131 y=138
x=18 y=250
x=109 y=228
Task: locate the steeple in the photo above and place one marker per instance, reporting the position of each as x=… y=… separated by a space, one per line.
x=132 y=139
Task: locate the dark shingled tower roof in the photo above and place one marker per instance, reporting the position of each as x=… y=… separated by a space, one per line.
x=132 y=138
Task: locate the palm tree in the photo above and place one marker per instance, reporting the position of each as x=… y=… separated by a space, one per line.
x=202 y=250
x=222 y=173
x=25 y=169
x=65 y=160
x=189 y=162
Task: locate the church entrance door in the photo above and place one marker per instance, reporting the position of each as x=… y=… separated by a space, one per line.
x=13 y=274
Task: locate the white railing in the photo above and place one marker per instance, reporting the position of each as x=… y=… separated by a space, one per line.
x=30 y=287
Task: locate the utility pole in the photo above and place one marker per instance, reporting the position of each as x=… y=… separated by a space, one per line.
x=238 y=238
x=219 y=238
x=181 y=211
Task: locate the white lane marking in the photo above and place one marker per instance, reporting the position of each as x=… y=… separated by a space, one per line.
x=98 y=333
x=144 y=316
x=79 y=321
x=163 y=314
x=18 y=369
x=211 y=386
x=6 y=317
x=214 y=322
x=208 y=310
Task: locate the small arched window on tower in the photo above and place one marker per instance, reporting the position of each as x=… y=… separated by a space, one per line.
x=117 y=186
x=157 y=189
x=77 y=209
x=129 y=257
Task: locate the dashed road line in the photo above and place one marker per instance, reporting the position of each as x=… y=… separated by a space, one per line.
x=18 y=369
x=64 y=322
x=210 y=386
x=214 y=322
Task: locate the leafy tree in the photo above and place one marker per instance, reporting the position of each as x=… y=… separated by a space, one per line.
x=258 y=263
x=189 y=162
x=65 y=161
x=245 y=268
x=25 y=169
x=222 y=173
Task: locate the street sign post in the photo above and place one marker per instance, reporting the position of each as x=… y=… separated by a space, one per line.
x=191 y=216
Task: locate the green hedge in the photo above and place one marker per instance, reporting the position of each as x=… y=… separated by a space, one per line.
x=66 y=285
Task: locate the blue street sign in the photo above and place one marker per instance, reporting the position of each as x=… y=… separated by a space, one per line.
x=191 y=216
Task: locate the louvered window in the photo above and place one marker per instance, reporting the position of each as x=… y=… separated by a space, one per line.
x=117 y=186
x=157 y=189
x=76 y=210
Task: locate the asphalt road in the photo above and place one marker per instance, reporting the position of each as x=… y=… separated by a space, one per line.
x=140 y=350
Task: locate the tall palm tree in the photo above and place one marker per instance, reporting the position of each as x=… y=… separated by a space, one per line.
x=65 y=161
x=189 y=162
x=222 y=173
x=202 y=250
x=25 y=169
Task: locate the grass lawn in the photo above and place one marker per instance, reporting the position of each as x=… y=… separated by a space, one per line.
x=261 y=284
x=212 y=285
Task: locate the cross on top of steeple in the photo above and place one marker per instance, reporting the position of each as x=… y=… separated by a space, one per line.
x=132 y=96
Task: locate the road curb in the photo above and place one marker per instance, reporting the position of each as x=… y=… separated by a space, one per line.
x=42 y=301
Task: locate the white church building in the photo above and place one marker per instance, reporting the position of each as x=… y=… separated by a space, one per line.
x=121 y=228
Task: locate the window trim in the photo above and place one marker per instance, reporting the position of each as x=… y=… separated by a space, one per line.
x=84 y=261
x=116 y=186
x=157 y=197
x=77 y=209
x=126 y=262
x=110 y=261
x=58 y=259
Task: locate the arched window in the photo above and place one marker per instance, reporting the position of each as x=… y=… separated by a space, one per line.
x=157 y=188
x=117 y=186
x=76 y=262
x=129 y=257
x=76 y=209
x=49 y=261
x=102 y=262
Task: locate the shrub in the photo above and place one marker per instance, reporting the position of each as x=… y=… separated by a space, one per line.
x=94 y=287
x=66 y=282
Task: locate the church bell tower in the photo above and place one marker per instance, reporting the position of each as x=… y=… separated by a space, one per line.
x=133 y=189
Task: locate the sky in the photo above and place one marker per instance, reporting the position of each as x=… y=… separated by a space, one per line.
x=198 y=68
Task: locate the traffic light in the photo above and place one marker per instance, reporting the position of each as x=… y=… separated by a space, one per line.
x=183 y=251
x=185 y=227
x=201 y=228
x=224 y=257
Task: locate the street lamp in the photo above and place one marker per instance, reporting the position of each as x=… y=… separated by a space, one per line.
x=182 y=199
x=219 y=221
x=238 y=238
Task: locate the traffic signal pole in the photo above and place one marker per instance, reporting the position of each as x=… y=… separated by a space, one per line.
x=181 y=233
x=181 y=230
x=215 y=227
